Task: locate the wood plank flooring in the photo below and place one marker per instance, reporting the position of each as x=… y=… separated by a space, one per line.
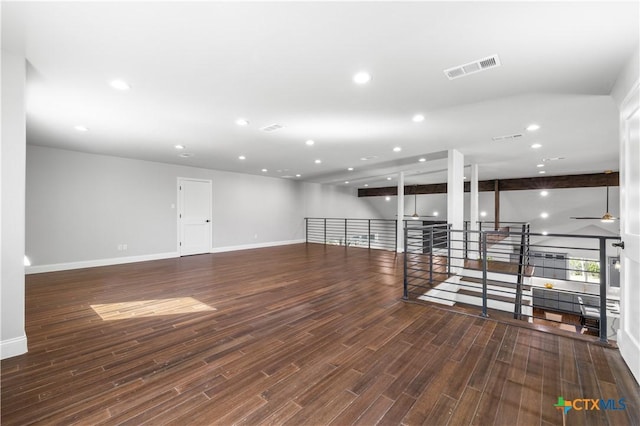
x=296 y=335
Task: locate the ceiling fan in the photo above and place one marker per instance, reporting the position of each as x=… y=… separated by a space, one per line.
x=606 y=217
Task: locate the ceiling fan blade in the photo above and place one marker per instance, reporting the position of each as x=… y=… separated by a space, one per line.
x=586 y=217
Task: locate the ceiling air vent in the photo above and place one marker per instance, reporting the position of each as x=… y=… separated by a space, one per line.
x=507 y=137
x=472 y=67
x=271 y=127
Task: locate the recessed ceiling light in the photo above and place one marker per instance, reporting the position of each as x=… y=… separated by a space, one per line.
x=539 y=165
x=533 y=127
x=120 y=85
x=179 y=147
x=544 y=215
x=350 y=169
x=536 y=146
x=388 y=178
x=545 y=233
x=422 y=160
x=483 y=214
x=387 y=198
x=185 y=155
x=542 y=172
x=264 y=170
x=242 y=157
x=544 y=193
x=81 y=128
x=318 y=161
x=397 y=149
x=346 y=181
x=298 y=175
x=366 y=184
x=371 y=157
x=362 y=77
x=418 y=118
x=242 y=122
x=309 y=142
x=464 y=177
x=435 y=213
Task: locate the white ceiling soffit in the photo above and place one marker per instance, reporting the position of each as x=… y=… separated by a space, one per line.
x=472 y=67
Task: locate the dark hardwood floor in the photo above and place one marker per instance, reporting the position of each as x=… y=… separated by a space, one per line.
x=302 y=334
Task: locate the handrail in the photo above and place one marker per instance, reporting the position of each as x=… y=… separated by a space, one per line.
x=350 y=218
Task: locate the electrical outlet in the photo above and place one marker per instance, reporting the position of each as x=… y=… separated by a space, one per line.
x=124 y=247
x=119 y=247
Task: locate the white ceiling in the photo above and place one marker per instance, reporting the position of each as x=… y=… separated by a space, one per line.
x=195 y=67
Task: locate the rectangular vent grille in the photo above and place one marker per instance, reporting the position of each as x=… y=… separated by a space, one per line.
x=271 y=127
x=507 y=137
x=472 y=67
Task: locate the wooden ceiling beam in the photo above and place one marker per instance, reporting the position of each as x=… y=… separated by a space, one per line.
x=518 y=184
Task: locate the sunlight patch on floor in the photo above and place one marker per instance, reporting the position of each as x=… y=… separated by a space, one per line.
x=150 y=308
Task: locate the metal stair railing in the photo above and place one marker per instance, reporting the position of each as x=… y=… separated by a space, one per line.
x=567 y=302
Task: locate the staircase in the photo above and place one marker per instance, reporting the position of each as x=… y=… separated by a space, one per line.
x=465 y=289
x=508 y=283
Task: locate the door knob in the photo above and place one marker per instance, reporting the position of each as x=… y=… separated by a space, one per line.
x=207 y=221
x=620 y=244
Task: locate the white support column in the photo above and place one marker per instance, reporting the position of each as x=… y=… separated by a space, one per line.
x=473 y=248
x=13 y=340
x=400 y=222
x=455 y=206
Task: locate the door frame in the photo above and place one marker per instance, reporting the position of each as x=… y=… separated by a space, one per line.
x=628 y=340
x=180 y=207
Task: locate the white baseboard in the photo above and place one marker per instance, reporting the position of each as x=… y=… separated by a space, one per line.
x=98 y=262
x=630 y=351
x=37 y=269
x=255 y=246
x=13 y=347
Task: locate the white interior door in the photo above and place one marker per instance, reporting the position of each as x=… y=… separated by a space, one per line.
x=629 y=334
x=194 y=216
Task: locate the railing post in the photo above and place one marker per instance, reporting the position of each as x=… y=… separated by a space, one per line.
x=522 y=269
x=345 y=233
x=603 y=289
x=369 y=234
x=484 y=273
x=448 y=233
x=396 y=237
x=431 y=255
x=466 y=239
x=325 y=231
x=405 y=294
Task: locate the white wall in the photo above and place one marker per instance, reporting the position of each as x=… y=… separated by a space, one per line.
x=342 y=202
x=560 y=205
x=13 y=340
x=80 y=207
x=522 y=206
